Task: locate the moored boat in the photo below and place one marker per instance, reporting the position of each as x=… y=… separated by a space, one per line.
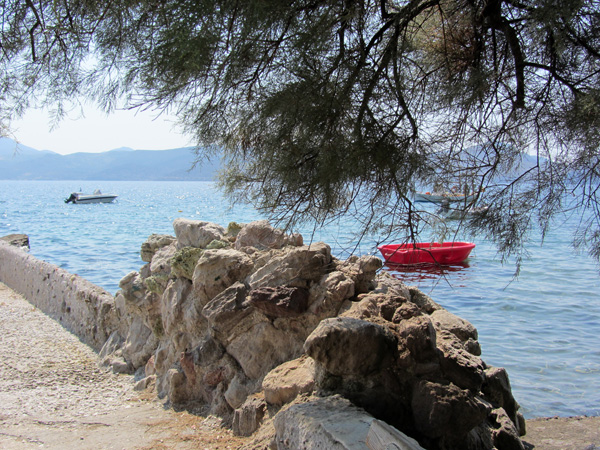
x=96 y=197
x=461 y=214
x=445 y=253
x=441 y=197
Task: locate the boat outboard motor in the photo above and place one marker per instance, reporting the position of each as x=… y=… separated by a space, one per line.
x=72 y=198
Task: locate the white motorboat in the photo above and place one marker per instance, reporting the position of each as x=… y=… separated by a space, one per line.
x=96 y=197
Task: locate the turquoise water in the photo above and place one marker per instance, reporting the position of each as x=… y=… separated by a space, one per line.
x=543 y=327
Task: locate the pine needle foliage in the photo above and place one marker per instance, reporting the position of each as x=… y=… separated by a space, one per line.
x=323 y=108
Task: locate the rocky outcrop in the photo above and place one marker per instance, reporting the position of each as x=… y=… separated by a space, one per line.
x=331 y=422
x=153 y=243
x=193 y=233
x=282 y=339
x=18 y=240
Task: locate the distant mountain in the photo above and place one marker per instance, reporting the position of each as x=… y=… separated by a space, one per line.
x=11 y=150
x=18 y=162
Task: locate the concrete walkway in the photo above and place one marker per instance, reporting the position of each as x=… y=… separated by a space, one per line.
x=53 y=395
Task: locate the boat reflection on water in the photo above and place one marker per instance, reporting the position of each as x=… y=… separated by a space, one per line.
x=420 y=272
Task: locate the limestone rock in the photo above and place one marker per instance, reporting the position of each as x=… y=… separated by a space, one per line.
x=153 y=243
x=294 y=266
x=161 y=261
x=326 y=297
x=261 y=235
x=362 y=271
x=444 y=319
x=248 y=417
x=285 y=382
x=496 y=388
x=176 y=383
x=387 y=284
x=149 y=368
x=145 y=383
x=110 y=349
x=216 y=270
x=248 y=335
x=157 y=283
x=377 y=305
x=119 y=365
x=418 y=336
x=216 y=244
x=237 y=391
x=227 y=313
x=383 y=436
x=195 y=233
x=132 y=286
x=172 y=305
x=504 y=434
x=207 y=352
x=458 y=365
x=263 y=347
x=279 y=301
x=446 y=412
x=328 y=345
x=111 y=355
x=322 y=423
x=251 y=329
x=422 y=300
x=140 y=343
x=139 y=301
x=233 y=229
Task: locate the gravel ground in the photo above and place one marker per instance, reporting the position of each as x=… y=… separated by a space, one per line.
x=53 y=395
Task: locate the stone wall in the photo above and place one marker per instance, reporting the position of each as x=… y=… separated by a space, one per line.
x=83 y=308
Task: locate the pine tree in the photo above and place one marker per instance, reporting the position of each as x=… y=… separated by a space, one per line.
x=324 y=108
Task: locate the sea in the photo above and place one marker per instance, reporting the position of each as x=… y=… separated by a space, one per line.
x=542 y=326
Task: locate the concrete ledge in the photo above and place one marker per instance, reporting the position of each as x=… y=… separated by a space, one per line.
x=81 y=307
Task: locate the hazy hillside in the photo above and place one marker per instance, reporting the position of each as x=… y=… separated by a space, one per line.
x=10 y=150
x=18 y=162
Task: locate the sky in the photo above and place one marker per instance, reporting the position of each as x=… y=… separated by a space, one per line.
x=98 y=132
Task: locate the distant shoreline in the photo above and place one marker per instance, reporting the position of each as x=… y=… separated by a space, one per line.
x=19 y=162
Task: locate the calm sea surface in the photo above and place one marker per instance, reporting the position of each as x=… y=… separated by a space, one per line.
x=543 y=327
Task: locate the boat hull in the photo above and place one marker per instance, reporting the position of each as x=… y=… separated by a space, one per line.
x=446 y=253
x=83 y=199
x=96 y=197
x=425 y=197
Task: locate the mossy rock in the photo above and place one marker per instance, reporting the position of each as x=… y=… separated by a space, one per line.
x=157 y=328
x=156 y=283
x=233 y=229
x=184 y=262
x=217 y=244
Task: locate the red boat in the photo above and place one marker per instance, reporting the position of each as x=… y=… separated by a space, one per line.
x=426 y=253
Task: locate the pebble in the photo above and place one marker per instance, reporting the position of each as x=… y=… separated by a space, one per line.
x=44 y=368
